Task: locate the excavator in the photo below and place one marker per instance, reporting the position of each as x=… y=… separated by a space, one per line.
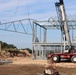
x=69 y=51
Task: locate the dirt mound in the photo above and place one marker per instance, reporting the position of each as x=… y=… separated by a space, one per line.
x=2 y=57
x=25 y=52
x=19 y=53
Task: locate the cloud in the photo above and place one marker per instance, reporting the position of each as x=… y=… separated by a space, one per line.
x=8 y=7
x=9 y=4
x=38 y=9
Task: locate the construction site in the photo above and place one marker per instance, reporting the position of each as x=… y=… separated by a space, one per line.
x=62 y=52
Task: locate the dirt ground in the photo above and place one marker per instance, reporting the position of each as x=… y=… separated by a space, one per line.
x=24 y=61
x=27 y=66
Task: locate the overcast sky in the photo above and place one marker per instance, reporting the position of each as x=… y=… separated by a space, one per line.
x=38 y=9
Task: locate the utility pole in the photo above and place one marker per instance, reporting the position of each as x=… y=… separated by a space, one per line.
x=0 y=48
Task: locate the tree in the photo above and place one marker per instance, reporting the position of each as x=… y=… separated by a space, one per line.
x=6 y=46
x=28 y=49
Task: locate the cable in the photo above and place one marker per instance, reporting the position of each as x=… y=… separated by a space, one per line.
x=28 y=14
x=17 y=7
x=28 y=9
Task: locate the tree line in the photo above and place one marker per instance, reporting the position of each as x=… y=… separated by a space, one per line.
x=6 y=46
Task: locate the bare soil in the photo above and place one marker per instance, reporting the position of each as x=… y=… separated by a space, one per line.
x=23 y=61
x=27 y=66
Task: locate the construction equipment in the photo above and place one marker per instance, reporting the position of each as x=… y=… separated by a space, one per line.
x=69 y=51
x=63 y=24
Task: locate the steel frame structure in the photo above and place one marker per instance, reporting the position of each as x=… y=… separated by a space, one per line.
x=41 y=48
x=38 y=32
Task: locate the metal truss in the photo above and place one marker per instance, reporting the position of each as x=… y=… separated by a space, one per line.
x=38 y=30
x=55 y=24
x=25 y=26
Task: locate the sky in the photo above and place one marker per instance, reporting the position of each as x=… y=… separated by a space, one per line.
x=11 y=10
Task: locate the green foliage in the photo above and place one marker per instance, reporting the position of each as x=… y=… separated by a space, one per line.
x=6 y=46
x=30 y=51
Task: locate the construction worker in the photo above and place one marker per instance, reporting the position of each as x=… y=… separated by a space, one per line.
x=50 y=68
